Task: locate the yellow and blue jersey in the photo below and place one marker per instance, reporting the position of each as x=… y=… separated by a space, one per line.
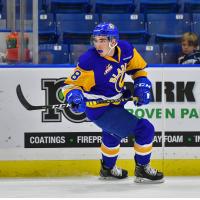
x=103 y=77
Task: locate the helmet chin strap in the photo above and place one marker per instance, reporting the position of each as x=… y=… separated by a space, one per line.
x=109 y=44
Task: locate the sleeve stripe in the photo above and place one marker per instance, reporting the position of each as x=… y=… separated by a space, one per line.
x=82 y=78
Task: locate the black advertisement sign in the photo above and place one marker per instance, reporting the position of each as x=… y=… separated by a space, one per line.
x=93 y=139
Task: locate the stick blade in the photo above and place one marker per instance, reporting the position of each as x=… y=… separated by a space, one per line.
x=22 y=99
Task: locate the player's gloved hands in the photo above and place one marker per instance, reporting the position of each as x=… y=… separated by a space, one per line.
x=76 y=100
x=142 y=88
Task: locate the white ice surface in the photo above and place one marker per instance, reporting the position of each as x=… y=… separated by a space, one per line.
x=94 y=187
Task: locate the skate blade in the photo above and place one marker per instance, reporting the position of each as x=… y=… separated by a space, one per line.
x=147 y=181
x=110 y=178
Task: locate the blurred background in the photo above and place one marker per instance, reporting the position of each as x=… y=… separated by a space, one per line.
x=58 y=31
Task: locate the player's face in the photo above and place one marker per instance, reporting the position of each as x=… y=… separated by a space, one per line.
x=101 y=44
x=187 y=48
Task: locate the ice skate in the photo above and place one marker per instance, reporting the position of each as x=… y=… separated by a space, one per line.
x=115 y=172
x=146 y=174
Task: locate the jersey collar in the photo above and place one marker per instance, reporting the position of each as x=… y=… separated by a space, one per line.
x=118 y=56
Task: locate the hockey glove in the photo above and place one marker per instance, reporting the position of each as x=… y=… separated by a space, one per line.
x=76 y=100
x=142 y=88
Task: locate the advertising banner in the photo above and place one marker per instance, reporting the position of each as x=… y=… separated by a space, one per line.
x=63 y=135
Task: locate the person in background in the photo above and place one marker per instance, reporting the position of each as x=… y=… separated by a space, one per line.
x=190 y=44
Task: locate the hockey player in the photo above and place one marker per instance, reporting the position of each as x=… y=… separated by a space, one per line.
x=100 y=74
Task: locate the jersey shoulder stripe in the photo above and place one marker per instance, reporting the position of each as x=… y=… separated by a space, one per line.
x=137 y=62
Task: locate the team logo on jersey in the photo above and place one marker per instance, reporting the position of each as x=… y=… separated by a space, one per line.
x=108 y=69
x=118 y=79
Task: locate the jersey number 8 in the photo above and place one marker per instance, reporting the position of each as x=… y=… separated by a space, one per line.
x=75 y=75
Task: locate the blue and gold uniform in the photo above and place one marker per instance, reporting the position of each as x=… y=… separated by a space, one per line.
x=99 y=76
x=103 y=77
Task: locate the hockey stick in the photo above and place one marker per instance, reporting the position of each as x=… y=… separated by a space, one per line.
x=28 y=106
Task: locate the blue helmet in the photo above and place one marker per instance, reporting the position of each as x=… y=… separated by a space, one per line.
x=106 y=29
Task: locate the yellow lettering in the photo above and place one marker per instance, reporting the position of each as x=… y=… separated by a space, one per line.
x=112 y=80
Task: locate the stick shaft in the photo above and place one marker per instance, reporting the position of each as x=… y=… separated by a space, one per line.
x=29 y=106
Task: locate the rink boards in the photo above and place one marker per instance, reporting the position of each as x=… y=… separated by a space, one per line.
x=54 y=143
